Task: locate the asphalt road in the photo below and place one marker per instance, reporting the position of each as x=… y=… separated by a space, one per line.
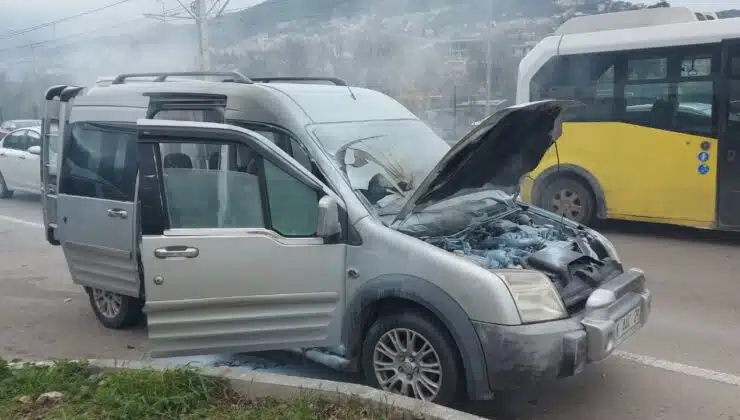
x=685 y=365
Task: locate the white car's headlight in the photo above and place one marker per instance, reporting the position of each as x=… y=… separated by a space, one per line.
x=606 y=243
x=534 y=295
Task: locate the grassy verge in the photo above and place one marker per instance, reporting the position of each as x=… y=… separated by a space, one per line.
x=81 y=392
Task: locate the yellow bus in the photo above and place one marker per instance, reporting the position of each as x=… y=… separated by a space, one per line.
x=658 y=139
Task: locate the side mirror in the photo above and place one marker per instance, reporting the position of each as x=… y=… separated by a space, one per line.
x=328 y=223
x=34 y=150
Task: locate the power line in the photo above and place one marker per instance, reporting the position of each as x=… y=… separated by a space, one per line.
x=199 y=11
x=170 y=13
x=62 y=38
x=54 y=22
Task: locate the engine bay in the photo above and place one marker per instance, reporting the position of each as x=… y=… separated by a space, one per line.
x=573 y=260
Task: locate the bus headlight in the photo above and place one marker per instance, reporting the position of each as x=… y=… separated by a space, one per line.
x=534 y=295
x=606 y=243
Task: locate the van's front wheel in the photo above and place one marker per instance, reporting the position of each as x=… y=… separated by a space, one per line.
x=412 y=355
x=114 y=310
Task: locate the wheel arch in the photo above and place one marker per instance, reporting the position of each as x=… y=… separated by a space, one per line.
x=404 y=291
x=570 y=170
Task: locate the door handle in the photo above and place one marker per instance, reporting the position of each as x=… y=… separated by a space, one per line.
x=730 y=155
x=119 y=213
x=176 y=252
x=21 y=157
x=3 y=154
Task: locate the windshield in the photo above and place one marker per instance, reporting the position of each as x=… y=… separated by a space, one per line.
x=384 y=161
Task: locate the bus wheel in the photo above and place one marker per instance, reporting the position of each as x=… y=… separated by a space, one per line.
x=571 y=198
x=113 y=310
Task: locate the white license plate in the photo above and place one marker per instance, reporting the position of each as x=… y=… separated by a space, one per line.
x=626 y=323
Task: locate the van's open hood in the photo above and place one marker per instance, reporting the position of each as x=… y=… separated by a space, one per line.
x=500 y=150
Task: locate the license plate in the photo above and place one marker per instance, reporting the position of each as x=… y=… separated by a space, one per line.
x=626 y=323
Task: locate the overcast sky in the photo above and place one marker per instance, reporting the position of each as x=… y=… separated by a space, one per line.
x=128 y=17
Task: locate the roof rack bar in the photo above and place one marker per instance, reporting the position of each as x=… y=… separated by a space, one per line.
x=231 y=76
x=335 y=80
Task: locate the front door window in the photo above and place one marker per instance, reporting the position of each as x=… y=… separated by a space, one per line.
x=212 y=186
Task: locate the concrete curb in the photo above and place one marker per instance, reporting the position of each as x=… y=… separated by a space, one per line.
x=263 y=384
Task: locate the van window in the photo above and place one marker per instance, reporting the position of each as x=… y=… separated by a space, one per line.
x=202 y=195
x=199 y=115
x=242 y=190
x=100 y=162
x=293 y=205
x=283 y=140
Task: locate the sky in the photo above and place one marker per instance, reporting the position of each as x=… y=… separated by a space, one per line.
x=129 y=17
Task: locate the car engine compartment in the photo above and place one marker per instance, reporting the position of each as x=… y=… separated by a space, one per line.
x=574 y=261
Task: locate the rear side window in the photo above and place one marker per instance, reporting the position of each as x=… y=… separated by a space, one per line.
x=199 y=115
x=100 y=161
x=15 y=140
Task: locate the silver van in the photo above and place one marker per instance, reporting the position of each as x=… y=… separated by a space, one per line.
x=247 y=214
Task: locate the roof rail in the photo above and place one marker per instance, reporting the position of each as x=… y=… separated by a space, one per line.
x=335 y=80
x=54 y=92
x=70 y=92
x=229 y=76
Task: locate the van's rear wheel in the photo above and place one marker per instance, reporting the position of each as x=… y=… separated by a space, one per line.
x=412 y=355
x=4 y=191
x=114 y=310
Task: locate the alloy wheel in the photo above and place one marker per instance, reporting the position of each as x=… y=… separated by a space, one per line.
x=406 y=363
x=108 y=303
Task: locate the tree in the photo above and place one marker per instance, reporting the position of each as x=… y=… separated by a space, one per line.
x=660 y=4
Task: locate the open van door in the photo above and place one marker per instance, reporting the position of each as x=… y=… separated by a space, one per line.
x=259 y=265
x=48 y=174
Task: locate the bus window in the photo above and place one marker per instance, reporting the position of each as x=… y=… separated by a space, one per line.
x=696 y=66
x=671 y=92
x=645 y=69
x=589 y=78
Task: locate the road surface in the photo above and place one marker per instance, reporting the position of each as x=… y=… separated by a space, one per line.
x=685 y=365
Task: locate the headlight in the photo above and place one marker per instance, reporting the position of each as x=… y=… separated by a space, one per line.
x=534 y=295
x=606 y=243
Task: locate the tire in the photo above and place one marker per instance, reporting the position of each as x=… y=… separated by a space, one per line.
x=4 y=191
x=441 y=351
x=113 y=310
x=571 y=198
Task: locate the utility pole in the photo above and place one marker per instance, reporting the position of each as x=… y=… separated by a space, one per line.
x=201 y=30
x=200 y=11
x=489 y=58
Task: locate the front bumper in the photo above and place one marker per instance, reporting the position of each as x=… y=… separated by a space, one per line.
x=524 y=355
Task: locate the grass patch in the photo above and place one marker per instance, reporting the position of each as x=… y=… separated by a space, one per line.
x=147 y=394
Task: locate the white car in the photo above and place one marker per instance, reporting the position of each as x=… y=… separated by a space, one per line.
x=20 y=152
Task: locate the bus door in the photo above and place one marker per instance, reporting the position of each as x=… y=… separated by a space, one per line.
x=728 y=175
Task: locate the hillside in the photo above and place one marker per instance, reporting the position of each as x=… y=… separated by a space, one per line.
x=425 y=52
